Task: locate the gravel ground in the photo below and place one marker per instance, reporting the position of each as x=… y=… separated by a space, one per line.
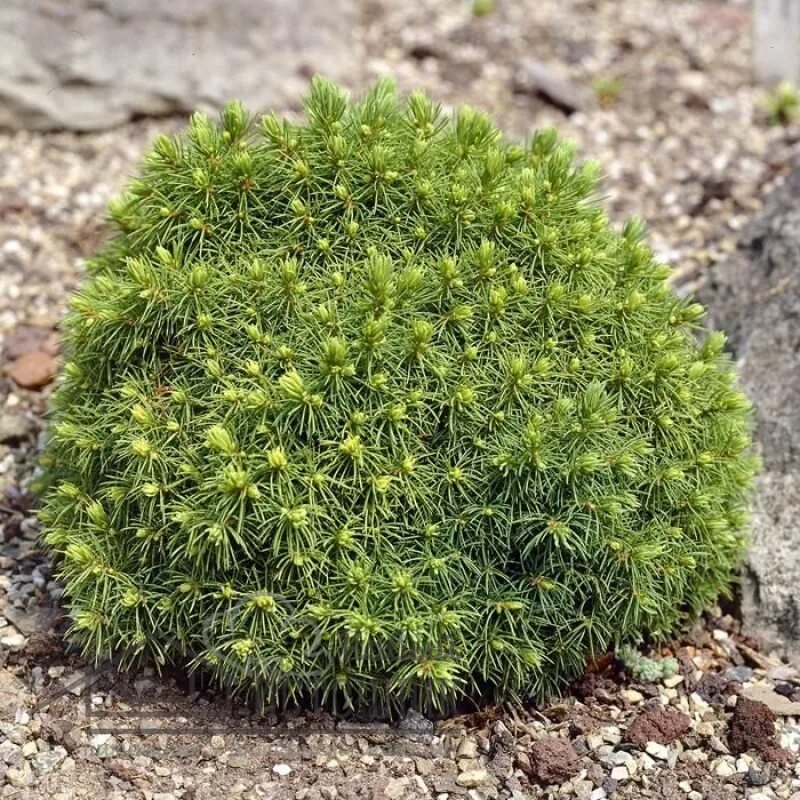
x=680 y=132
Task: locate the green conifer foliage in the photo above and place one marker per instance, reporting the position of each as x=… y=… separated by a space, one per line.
x=378 y=409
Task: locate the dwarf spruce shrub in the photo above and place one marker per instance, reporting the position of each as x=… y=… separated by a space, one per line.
x=378 y=409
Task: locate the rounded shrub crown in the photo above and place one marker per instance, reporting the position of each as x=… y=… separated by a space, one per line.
x=377 y=409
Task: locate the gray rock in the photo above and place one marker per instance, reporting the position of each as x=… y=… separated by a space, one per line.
x=91 y=64
x=755 y=298
x=49 y=760
x=11 y=753
x=739 y=674
x=12 y=695
x=14 y=428
x=20 y=777
x=33 y=620
x=414 y=722
x=541 y=80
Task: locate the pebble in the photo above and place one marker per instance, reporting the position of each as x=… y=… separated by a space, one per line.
x=611 y=734
x=724 y=769
x=10 y=753
x=21 y=777
x=646 y=763
x=717 y=745
x=29 y=749
x=467 y=748
x=396 y=788
x=104 y=745
x=632 y=696
x=14 y=640
x=33 y=370
x=659 y=751
x=594 y=741
x=47 y=761
x=620 y=774
x=282 y=769
x=777 y=703
x=14 y=428
x=617 y=758
x=739 y=674
x=472 y=778
x=756 y=778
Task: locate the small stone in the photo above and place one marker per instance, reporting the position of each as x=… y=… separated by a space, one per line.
x=10 y=753
x=473 y=778
x=718 y=746
x=657 y=750
x=752 y=726
x=414 y=722
x=396 y=788
x=611 y=734
x=424 y=766
x=610 y=785
x=14 y=428
x=124 y=769
x=724 y=768
x=48 y=761
x=620 y=774
x=598 y=794
x=705 y=729
x=616 y=759
x=646 y=763
x=662 y=725
x=739 y=674
x=33 y=370
x=673 y=681
x=467 y=748
x=13 y=641
x=282 y=769
x=594 y=741
x=502 y=734
x=783 y=673
x=776 y=703
x=632 y=696
x=553 y=760
x=756 y=778
x=217 y=742
x=104 y=745
x=720 y=635
x=542 y=80
x=21 y=777
x=29 y=749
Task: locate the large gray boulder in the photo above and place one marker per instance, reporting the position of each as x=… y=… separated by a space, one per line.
x=755 y=297
x=88 y=64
